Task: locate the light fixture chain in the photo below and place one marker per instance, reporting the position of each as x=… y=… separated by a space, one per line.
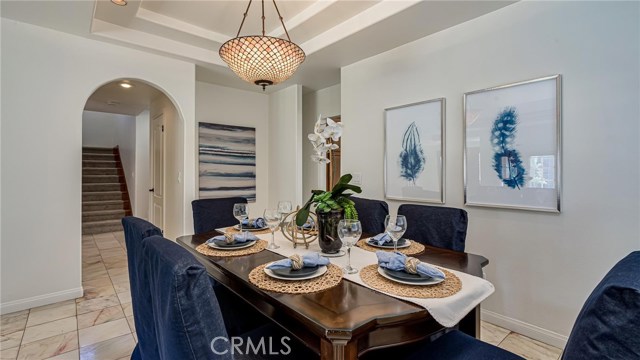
x=245 y=16
x=263 y=17
x=281 y=20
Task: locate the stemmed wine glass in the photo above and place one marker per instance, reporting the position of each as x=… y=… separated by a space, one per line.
x=349 y=232
x=241 y=212
x=284 y=207
x=273 y=218
x=395 y=226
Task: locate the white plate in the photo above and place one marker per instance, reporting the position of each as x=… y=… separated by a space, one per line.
x=321 y=270
x=373 y=243
x=237 y=227
x=248 y=244
x=421 y=283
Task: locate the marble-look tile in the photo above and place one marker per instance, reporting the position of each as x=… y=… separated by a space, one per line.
x=11 y=340
x=100 y=316
x=529 y=348
x=90 y=259
x=92 y=292
x=119 y=235
x=492 y=334
x=122 y=286
x=49 y=347
x=108 y=244
x=53 y=328
x=10 y=323
x=62 y=310
x=102 y=332
x=118 y=272
x=125 y=297
x=120 y=278
x=71 y=355
x=94 y=274
x=97 y=282
x=9 y=354
x=86 y=306
x=135 y=336
x=127 y=309
x=132 y=323
x=118 y=252
x=116 y=348
x=115 y=262
x=92 y=251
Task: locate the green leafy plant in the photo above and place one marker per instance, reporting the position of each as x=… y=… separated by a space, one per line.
x=335 y=199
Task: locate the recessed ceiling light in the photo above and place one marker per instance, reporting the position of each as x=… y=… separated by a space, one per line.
x=126 y=85
x=119 y=2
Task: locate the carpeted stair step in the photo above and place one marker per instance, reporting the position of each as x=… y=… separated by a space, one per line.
x=101 y=179
x=98 y=227
x=99 y=157
x=103 y=195
x=105 y=205
x=100 y=164
x=99 y=171
x=96 y=187
x=97 y=150
x=92 y=216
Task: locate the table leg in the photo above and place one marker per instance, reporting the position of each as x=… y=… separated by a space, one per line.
x=338 y=347
x=470 y=324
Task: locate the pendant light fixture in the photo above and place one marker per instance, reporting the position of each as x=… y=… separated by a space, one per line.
x=262 y=60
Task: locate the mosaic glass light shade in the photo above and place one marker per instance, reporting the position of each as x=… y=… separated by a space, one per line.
x=262 y=60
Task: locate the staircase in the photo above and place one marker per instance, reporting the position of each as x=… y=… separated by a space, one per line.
x=105 y=200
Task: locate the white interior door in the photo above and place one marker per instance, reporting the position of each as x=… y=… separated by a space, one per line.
x=157 y=171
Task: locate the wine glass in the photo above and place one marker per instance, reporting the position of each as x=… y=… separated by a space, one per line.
x=395 y=226
x=284 y=207
x=272 y=217
x=349 y=232
x=241 y=212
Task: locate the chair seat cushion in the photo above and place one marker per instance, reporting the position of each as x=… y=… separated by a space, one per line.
x=457 y=345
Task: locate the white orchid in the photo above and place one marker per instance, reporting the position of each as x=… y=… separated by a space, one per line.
x=325 y=132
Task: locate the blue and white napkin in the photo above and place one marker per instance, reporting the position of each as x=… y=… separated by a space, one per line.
x=256 y=223
x=308 y=260
x=382 y=239
x=238 y=238
x=398 y=262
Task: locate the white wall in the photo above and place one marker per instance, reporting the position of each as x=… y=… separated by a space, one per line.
x=326 y=102
x=543 y=265
x=47 y=77
x=285 y=146
x=143 y=178
x=222 y=105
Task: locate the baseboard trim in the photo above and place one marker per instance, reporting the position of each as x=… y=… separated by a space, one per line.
x=40 y=300
x=526 y=329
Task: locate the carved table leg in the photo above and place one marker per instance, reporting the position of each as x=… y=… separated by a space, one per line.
x=338 y=347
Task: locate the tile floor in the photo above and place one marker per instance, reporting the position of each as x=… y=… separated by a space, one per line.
x=100 y=324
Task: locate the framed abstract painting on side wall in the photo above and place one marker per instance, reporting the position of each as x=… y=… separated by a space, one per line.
x=226 y=161
x=414 y=152
x=512 y=146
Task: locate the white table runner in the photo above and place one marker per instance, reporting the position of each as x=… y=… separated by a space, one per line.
x=446 y=311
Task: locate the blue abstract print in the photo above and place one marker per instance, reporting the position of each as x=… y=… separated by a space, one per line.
x=412 y=159
x=227 y=163
x=506 y=159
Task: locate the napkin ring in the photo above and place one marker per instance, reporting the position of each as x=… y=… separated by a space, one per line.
x=411 y=265
x=228 y=238
x=296 y=262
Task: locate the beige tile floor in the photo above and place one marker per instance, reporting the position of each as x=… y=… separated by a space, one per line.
x=100 y=325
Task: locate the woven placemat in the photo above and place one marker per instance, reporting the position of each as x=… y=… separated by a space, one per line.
x=326 y=281
x=209 y=251
x=415 y=248
x=232 y=230
x=451 y=285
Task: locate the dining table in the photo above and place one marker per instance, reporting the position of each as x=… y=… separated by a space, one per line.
x=347 y=320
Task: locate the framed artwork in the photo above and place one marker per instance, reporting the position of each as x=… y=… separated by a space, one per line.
x=226 y=161
x=414 y=152
x=512 y=147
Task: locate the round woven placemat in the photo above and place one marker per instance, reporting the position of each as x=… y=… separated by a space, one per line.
x=451 y=285
x=326 y=281
x=415 y=248
x=208 y=250
x=232 y=230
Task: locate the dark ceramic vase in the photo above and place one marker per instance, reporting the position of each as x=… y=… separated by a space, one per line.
x=328 y=238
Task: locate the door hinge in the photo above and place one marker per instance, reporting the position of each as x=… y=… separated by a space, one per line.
x=162 y=128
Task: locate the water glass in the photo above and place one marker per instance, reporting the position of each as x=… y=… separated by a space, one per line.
x=272 y=217
x=349 y=232
x=395 y=226
x=284 y=207
x=241 y=212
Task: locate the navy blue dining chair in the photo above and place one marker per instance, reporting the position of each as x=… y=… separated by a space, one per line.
x=438 y=226
x=189 y=322
x=136 y=230
x=371 y=214
x=211 y=214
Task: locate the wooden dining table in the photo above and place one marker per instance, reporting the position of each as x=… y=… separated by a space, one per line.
x=348 y=320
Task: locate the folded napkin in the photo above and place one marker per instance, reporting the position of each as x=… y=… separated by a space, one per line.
x=256 y=223
x=308 y=225
x=382 y=239
x=297 y=262
x=400 y=262
x=239 y=238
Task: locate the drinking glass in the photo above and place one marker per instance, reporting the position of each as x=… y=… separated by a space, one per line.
x=272 y=218
x=284 y=207
x=349 y=232
x=395 y=226
x=241 y=212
